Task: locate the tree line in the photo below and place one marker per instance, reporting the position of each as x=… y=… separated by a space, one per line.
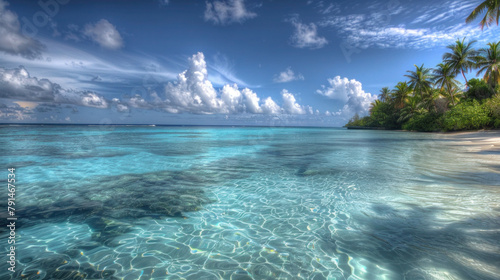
x=432 y=99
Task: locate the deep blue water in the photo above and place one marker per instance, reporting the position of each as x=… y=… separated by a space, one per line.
x=100 y=202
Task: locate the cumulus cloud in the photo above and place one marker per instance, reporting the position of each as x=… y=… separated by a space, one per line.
x=290 y=105
x=104 y=34
x=251 y=101
x=119 y=105
x=287 y=76
x=194 y=93
x=306 y=36
x=270 y=107
x=12 y=40
x=225 y=12
x=340 y=88
x=351 y=92
x=17 y=84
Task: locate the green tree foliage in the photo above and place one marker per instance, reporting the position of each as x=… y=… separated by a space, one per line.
x=428 y=122
x=384 y=115
x=465 y=116
x=461 y=58
x=410 y=109
x=491 y=10
x=444 y=79
x=433 y=100
x=492 y=106
x=489 y=62
x=479 y=90
x=385 y=94
x=420 y=80
x=401 y=93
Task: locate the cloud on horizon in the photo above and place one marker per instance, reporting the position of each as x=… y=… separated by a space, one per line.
x=290 y=105
x=194 y=93
x=17 y=84
x=357 y=101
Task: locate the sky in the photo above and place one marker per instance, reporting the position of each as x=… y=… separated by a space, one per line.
x=216 y=62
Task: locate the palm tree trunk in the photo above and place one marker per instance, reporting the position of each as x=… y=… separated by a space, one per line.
x=452 y=99
x=463 y=74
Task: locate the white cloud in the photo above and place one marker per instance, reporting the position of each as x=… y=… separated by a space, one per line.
x=12 y=41
x=225 y=12
x=287 y=76
x=88 y=99
x=340 y=88
x=380 y=30
x=138 y=101
x=351 y=92
x=232 y=98
x=15 y=112
x=17 y=84
x=358 y=102
x=120 y=107
x=191 y=92
x=270 y=107
x=251 y=102
x=306 y=36
x=290 y=105
x=74 y=68
x=453 y=9
x=104 y=34
x=194 y=93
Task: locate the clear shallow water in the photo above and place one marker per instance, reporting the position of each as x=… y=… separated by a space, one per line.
x=243 y=203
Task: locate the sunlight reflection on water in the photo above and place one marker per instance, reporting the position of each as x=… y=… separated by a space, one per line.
x=261 y=203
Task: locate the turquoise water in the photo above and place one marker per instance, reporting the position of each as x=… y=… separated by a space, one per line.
x=250 y=203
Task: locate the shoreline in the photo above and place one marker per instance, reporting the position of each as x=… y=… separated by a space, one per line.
x=483 y=144
x=485 y=138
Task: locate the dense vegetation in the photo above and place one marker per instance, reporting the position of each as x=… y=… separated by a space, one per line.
x=434 y=100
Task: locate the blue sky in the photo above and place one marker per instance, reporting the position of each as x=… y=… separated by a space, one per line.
x=233 y=62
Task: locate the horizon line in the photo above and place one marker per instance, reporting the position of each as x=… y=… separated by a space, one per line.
x=174 y=125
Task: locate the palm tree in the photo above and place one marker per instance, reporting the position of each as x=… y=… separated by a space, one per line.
x=492 y=9
x=401 y=93
x=444 y=78
x=429 y=102
x=462 y=57
x=385 y=94
x=409 y=110
x=489 y=62
x=453 y=96
x=374 y=104
x=420 y=80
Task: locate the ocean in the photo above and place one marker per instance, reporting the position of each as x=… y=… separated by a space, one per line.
x=142 y=202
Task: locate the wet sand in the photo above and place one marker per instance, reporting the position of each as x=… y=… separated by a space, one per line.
x=483 y=144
